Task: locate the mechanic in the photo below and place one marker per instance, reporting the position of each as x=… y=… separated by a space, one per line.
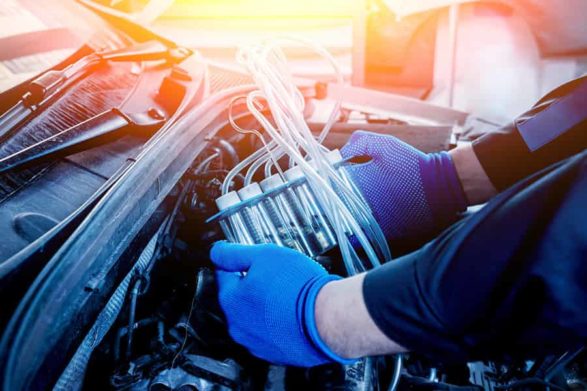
x=510 y=279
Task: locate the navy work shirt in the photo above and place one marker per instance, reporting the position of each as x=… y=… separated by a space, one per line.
x=510 y=279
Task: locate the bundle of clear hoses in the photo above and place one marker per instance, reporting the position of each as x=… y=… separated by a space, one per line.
x=312 y=205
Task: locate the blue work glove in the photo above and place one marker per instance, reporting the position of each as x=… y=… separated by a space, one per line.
x=413 y=195
x=270 y=309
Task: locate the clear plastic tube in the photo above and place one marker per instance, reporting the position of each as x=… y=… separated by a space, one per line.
x=272 y=157
x=256 y=219
x=302 y=199
x=235 y=229
x=333 y=207
x=241 y=57
x=325 y=196
x=290 y=232
x=244 y=163
x=233 y=224
x=283 y=206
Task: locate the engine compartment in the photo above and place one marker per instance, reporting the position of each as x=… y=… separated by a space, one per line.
x=178 y=332
x=178 y=337
x=162 y=328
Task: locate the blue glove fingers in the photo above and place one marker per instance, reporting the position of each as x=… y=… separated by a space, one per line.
x=227 y=280
x=412 y=194
x=231 y=292
x=228 y=289
x=359 y=144
x=265 y=309
x=233 y=257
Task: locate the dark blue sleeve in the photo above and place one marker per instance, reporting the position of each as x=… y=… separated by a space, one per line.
x=553 y=130
x=508 y=280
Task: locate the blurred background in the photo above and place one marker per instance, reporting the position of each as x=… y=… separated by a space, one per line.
x=491 y=58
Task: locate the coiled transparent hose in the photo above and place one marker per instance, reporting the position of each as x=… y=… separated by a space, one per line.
x=291 y=136
x=241 y=58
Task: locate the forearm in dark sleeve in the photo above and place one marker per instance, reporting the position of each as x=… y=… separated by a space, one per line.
x=511 y=279
x=554 y=129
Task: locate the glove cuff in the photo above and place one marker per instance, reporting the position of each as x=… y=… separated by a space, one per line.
x=442 y=186
x=310 y=319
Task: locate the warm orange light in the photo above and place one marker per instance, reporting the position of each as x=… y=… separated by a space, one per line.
x=262 y=8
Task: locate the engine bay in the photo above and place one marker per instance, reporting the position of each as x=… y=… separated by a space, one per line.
x=163 y=329
x=179 y=339
x=106 y=245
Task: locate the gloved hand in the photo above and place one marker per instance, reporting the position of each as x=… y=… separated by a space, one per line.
x=270 y=309
x=412 y=194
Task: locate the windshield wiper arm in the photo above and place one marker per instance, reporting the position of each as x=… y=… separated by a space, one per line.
x=50 y=83
x=100 y=129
